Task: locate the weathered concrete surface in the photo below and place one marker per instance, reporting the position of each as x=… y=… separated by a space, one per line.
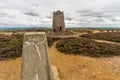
x=35 y=63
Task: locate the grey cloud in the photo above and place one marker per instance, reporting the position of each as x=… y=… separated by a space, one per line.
x=83 y=20
x=43 y=22
x=115 y=20
x=3 y=14
x=98 y=15
x=69 y=18
x=35 y=5
x=31 y=14
x=83 y=11
x=99 y=20
x=49 y=17
x=90 y=13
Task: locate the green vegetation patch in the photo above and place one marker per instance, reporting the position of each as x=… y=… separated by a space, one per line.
x=88 y=47
x=109 y=36
x=11 y=46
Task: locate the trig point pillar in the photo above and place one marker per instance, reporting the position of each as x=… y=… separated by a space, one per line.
x=35 y=63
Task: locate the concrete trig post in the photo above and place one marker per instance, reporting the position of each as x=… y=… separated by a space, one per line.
x=35 y=63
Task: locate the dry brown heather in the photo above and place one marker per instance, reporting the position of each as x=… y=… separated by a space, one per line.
x=10 y=46
x=109 y=36
x=83 y=46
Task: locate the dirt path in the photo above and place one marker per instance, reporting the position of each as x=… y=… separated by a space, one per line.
x=79 y=67
x=10 y=69
x=78 y=33
x=109 y=42
x=75 y=34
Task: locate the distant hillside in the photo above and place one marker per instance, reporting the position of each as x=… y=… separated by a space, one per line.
x=22 y=28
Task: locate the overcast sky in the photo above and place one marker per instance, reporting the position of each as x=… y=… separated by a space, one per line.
x=77 y=12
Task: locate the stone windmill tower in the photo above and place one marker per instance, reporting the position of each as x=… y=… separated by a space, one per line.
x=58 y=22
